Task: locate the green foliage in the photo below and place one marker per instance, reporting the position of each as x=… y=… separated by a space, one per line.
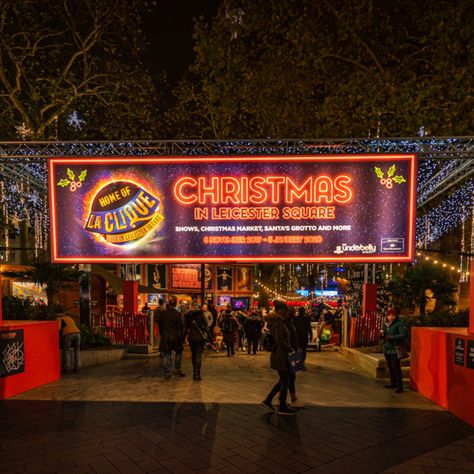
x=413 y=287
x=89 y=338
x=437 y=319
x=15 y=308
x=53 y=276
x=311 y=69
x=75 y=55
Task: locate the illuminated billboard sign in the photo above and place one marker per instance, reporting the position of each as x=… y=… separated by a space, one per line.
x=353 y=208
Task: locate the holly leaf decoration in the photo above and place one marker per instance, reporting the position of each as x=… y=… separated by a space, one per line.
x=391 y=171
x=399 y=179
x=70 y=174
x=378 y=172
x=83 y=175
x=63 y=183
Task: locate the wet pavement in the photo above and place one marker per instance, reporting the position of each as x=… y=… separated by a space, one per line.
x=123 y=417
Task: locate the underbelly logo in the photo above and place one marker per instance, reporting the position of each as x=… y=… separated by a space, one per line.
x=359 y=248
x=123 y=212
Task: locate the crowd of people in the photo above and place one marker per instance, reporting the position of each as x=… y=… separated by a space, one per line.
x=283 y=332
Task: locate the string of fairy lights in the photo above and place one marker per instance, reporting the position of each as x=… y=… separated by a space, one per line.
x=19 y=201
x=279 y=296
x=423 y=258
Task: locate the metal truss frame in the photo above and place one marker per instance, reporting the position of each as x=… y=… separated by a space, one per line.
x=15 y=157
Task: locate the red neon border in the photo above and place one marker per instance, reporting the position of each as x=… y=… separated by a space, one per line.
x=411 y=217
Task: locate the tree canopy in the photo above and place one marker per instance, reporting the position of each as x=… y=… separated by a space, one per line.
x=73 y=69
x=331 y=68
x=421 y=283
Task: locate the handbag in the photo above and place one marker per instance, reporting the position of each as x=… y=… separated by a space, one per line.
x=295 y=360
x=402 y=352
x=204 y=334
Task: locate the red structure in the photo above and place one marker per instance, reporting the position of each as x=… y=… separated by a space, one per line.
x=130 y=297
x=442 y=365
x=39 y=351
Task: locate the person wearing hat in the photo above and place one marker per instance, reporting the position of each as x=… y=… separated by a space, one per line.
x=394 y=334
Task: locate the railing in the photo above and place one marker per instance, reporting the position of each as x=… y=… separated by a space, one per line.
x=365 y=330
x=124 y=328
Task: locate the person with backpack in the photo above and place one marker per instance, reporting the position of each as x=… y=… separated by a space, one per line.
x=230 y=330
x=197 y=331
x=282 y=348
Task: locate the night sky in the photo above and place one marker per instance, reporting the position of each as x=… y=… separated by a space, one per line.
x=170 y=33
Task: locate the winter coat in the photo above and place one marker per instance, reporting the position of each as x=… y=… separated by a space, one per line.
x=282 y=344
x=171 y=331
x=396 y=334
x=303 y=330
x=193 y=319
x=292 y=330
x=230 y=327
x=253 y=327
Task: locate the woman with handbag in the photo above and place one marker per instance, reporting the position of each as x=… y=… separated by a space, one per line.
x=394 y=335
x=197 y=331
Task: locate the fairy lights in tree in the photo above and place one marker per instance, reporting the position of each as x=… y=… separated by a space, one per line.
x=21 y=201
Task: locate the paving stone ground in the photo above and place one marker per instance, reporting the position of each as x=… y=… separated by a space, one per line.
x=123 y=417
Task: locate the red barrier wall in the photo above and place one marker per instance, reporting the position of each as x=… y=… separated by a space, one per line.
x=435 y=374
x=130 y=297
x=41 y=349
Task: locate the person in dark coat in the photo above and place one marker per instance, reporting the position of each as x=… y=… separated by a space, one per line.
x=394 y=334
x=279 y=359
x=212 y=309
x=230 y=330
x=253 y=330
x=288 y=320
x=171 y=337
x=303 y=330
x=197 y=330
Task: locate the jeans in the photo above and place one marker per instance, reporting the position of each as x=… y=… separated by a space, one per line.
x=393 y=363
x=291 y=384
x=72 y=340
x=252 y=342
x=167 y=361
x=197 y=348
x=282 y=387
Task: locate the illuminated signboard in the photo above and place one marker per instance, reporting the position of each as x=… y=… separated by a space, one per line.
x=353 y=208
x=189 y=276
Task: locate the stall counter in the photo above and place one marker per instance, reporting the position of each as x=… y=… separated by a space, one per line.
x=442 y=368
x=29 y=355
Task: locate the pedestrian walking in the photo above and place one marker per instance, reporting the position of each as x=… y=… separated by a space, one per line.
x=304 y=331
x=230 y=330
x=208 y=315
x=212 y=309
x=394 y=335
x=279 y=359
x=288 y=320
x=70 y=336
x=253 y=331
x=197 y=331
x=241 y=318
x=171 y=337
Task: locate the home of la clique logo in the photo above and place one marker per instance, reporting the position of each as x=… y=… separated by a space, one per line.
x=123 y=212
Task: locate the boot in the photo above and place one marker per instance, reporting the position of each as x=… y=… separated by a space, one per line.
x=179 y=373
